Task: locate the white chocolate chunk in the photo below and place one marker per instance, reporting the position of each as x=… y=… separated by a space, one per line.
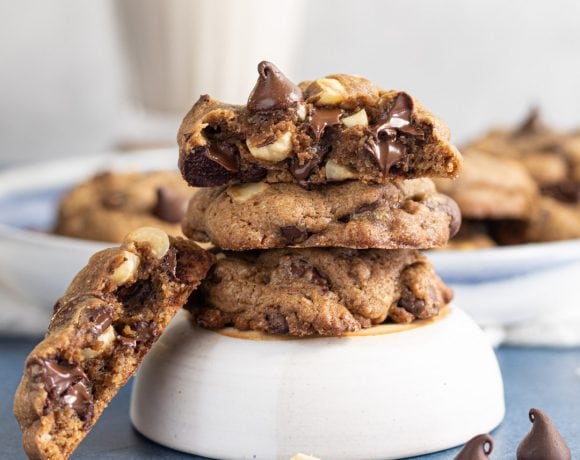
x=243 y=192
x=336 y=172
x=103 y=342
x=328 y=92
x=127 y=270
x=356 y=119
x=156 y=239
x=276 y=151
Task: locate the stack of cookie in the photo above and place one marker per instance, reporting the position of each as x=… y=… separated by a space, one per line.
x=318 y=197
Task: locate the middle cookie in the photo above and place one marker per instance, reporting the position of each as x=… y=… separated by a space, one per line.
x=401 y=214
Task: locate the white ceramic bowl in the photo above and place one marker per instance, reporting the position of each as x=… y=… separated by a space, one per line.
x=404 y=391
x=495 y=286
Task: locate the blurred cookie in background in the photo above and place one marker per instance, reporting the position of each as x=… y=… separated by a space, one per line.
x=109 y=205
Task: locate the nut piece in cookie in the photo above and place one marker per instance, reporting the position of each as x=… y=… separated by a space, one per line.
x=328 y=292
x=108 y=319
x=331 y=129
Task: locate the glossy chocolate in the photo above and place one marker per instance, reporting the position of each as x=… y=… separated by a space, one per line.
x=320 y=119
x=477 y=448
x=224 y=154
x=543 y=442
x=383 y=144
x=273 y=90
x=66 y=384
x=99 y=320
x=171 y=205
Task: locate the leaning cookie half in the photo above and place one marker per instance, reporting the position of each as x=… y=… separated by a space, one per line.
x=108 y=319
x=400 y=214
x=326 y=292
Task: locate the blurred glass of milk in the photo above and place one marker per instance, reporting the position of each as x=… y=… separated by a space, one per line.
x=177 y=50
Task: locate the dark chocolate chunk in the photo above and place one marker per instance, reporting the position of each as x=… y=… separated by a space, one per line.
x=224 y=154
x=543 y=442
x=384 y=144
x=273 y=90
x=302 y=269
x=171 y=205
x=477 y=448
x=66 y=384
x=277 y=323
x=99 y=320
x=200 y=171
x=566 y=191
x=293 y=235
x=413 y=305
x=320 y=119
x=532 y=124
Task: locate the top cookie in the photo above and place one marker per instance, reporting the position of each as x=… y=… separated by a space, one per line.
x=331 y=129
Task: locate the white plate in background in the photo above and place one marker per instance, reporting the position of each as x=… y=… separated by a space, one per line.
x=496 y=286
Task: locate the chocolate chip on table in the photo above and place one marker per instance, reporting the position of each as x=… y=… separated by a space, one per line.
x=273 y=90
x=293 y=235
x=171 y=205
x=543 y=441
x=477 y=448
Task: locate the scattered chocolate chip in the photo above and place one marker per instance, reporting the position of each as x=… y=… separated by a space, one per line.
x=384 y=143
x=171 y=205
x=201 y=171
x=293 y=235
x=543 y=442
x=532 y=124
x=565 y=191
x=477 y=448
x=273 y=90
x=66 y=384
x=320 y=119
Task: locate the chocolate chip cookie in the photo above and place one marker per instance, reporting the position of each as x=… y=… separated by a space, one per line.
x=108 y=319
x=491 y=187
x=335 y=128
x=401 y=214
x=329 y=292
x=109 y=205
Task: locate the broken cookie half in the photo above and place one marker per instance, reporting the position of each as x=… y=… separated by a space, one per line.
x=335 y=128
x=111 y=314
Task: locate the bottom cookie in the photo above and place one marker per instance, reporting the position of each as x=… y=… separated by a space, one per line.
x=327 y=292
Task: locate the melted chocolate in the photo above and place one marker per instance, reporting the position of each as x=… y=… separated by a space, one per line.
x=273 y=90
x=68 y=385
x=320 y=119
x=99 y=319
x=170 y=206
x=383 y=144
x=543 y=442
x=224 y=154
x=477 y=448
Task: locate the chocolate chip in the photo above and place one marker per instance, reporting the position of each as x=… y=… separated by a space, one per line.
x=477 y=448
x=273 y=90
x=320 y=119
x=66 y=384
x=169 y=262
x=171 y=205
x=565 y=191
x=302 y=269
x=532 y=124
x=543 y=441
x=384 y=143
x=200 y=171
x=99 y=319
x=293 y=235
x=277 y=323
x=412 y=305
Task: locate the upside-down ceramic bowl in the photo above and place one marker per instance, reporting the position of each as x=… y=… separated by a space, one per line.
x=390 y=392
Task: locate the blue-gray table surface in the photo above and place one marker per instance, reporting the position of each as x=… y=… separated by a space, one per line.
x=534 y=377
